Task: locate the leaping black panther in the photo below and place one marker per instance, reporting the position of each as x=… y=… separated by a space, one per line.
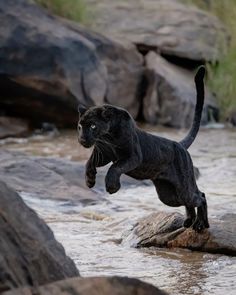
x=116 y=138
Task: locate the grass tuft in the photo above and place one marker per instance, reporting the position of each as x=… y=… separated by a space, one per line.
x=71 y=9
x=222 y=75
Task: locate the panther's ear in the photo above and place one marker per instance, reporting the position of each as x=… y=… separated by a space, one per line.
x=81 y=109
x=107 y=113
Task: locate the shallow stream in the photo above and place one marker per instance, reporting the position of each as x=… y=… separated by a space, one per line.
x=91 y=235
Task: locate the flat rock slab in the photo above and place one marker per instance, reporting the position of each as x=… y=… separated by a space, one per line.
x=45 y=177
x=162 y=229
x=53 y=178
x=92 y=286
x=29 y=253
x=169 y=26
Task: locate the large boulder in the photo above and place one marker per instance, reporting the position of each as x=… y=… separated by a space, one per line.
x=29 y=253
x=49 y=65
x=171 y=95
x=93 y=286
x=162 y=229
x=124 y=69
x=169 y=26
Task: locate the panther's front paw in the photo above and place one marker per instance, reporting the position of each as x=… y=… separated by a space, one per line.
x=112 y=183
x=90 y=178
x=112 y=188
x=90 y=181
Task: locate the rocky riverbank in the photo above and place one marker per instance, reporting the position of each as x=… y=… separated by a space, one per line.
x=49 y=65
x=60 y=179
x=90 y=223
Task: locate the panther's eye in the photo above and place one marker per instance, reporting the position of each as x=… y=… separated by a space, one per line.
x=93 y=126
x=79 y=127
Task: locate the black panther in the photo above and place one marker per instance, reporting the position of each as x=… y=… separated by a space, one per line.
x=115 y=138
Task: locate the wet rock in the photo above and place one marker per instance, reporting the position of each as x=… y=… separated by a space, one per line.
x=171 y=95
x=13 y=127
x=53 y=178
x=45 y=177
x=49 y=65
x=168 y=26
x=29 y=253
x=93 y=286
x=162 y=229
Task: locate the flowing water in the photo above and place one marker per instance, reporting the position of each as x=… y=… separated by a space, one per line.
x=91 y=235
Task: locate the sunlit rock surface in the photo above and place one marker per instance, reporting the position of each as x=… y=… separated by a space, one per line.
x=162 y=229
x=168 y=26
x=171 y=95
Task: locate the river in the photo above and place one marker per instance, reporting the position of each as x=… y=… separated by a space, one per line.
x=91 y=235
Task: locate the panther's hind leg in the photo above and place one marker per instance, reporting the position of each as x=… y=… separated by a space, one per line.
x=205 y=214
x=167 y=192
x=201 y=221
x=191 y=216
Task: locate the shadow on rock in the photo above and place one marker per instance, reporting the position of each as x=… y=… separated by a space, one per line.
x=93 y=286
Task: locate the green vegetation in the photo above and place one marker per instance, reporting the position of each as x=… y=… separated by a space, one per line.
x=222 y=81
x=222 y=75
x=71 y=9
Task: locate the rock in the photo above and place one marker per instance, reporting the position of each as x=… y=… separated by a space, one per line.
x=49 y=65
x=29 y=253
x=93 y=286
x=171 y=95
x=53 y=178
x=168 y=26
x=124 y=68
x=162 y=229
x=45 y=177
x=13 y=127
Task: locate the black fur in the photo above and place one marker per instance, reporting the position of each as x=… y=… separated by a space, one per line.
x=116 y=138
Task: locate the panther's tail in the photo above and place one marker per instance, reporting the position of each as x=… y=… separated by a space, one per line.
x=188 y=140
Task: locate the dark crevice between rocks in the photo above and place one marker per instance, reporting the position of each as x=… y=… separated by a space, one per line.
x=3 y=288
x=19 y=101
x=183 y=62
x=143 y=86
x=144 y=49
x=144 y=83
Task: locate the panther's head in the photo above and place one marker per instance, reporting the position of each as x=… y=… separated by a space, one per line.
x=99 y=123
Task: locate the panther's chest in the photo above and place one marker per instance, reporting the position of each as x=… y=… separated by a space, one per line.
x=144 y=172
